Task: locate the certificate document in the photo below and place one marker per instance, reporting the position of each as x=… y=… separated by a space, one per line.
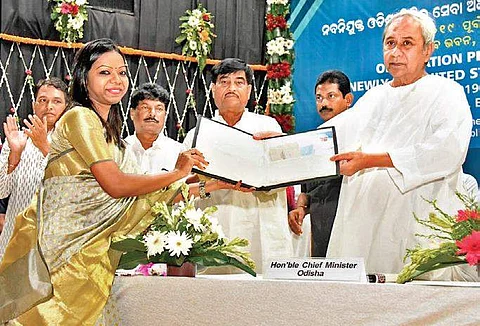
x=269 y=163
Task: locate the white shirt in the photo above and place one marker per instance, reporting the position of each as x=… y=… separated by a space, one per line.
x=260 y=217
x=425 y=127
x=20 y=185
x=162 y=156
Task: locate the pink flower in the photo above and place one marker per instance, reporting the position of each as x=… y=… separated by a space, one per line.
x=465 y=215
x=144 y=269
x=65 y=8
x=470 y=245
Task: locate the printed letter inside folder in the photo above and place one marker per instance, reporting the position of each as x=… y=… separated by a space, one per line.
x=269 y=163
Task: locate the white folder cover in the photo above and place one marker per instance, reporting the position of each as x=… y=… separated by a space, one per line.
x=269 y=163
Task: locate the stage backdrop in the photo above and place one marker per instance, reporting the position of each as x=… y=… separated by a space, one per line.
x=347 y=35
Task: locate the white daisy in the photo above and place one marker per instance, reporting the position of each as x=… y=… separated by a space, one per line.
x=155 y=242
x=178 y=244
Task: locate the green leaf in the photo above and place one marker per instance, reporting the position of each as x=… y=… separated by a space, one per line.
x=129 y=244
x=180 y=38
x=215 y=258
x=132 y=259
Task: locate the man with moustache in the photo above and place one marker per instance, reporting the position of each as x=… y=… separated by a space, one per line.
x=153 y=151
x=24 y=153
x=320 y=198
x=258 y=216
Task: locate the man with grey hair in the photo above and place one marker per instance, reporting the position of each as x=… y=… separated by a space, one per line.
x=403 y=142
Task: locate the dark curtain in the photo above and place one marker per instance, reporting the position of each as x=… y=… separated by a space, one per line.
x=153 y=25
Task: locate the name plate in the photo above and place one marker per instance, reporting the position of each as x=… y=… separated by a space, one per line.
x=322 y=269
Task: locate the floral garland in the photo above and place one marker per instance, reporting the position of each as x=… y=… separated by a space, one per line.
x=196 y=32
x=69 y=16
x=459 y=236
x=280 y=58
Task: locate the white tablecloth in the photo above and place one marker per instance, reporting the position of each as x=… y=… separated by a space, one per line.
x=244 y=300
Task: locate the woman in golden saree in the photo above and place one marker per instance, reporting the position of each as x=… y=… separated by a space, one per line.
x=90 y=197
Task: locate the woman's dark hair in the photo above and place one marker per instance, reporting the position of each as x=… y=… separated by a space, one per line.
x=83 y=61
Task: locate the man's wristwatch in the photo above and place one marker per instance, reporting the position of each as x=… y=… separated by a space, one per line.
x=201 y=190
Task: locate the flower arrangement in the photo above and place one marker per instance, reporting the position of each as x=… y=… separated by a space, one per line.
x=279 y=57
x=196 y=32
x=459 y=236
x=180 y=234
x=69 y=17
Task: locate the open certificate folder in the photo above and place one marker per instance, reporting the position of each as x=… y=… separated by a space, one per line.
x=269 y=163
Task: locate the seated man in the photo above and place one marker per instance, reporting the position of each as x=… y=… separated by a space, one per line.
x=320 y=198
x=257 y=216
x=23 y=158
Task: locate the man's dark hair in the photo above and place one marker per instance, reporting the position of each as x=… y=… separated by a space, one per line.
x=231 y=65
x=149 y=91
x=335 y=77
x=58 y=84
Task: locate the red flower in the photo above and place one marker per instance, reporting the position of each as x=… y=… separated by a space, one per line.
x=285 y=121
x=74 y=9
x=470 y=245
x=188 y=91
x=28 y=72
x=12 y=110
x=206 y=17
x=68 y=77
x=278 y=70
x=178 y=126
x=273 y=22
x=465 y=215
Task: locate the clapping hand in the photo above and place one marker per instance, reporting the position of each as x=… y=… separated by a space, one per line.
x=37 y=132
x=16 y=138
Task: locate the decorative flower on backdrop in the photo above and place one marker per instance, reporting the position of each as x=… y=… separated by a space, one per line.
x=458 y=237
x=279 y=56
x=182 y=233
x=277 y=2
x=278 y=70
x=273 y=22
x=196 y=34
x=29 y=78
x=69 y=16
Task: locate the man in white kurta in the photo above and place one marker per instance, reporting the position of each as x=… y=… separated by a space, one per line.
x=257 y=216
x=423 y=124
x=24 y=154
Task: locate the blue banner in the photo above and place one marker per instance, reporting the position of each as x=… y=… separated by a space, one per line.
x=347 y=35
